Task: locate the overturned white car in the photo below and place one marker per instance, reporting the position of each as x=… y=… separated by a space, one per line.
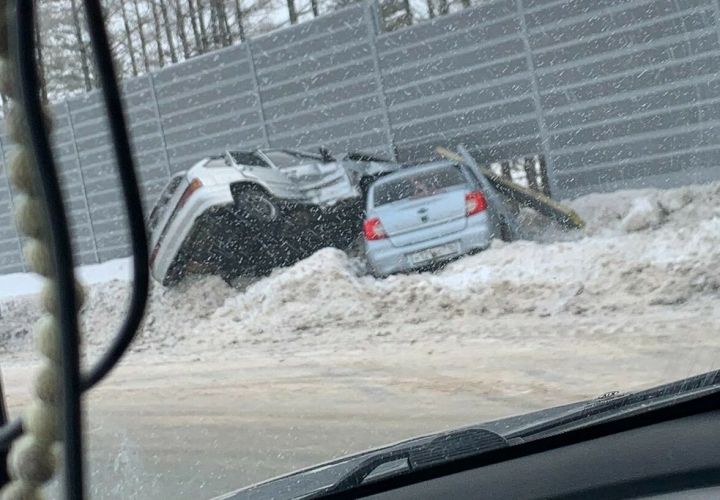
x=246 y=212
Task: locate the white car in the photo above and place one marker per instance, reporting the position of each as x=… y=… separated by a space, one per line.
x=245 y=212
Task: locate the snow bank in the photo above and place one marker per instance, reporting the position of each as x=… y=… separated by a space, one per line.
x=642 y=250
x=17 y=284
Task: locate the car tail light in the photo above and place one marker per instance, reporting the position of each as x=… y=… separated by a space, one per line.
x=373 y=229
x=474 y=203
x=194 y=185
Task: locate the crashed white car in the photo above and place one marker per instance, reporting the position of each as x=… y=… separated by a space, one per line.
x=246 y=212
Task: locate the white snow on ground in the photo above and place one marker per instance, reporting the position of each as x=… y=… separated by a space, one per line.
x=644 y=252
x=17 y=284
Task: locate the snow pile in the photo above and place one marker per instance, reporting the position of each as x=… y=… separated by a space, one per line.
x=642 y=250
x=17 y=284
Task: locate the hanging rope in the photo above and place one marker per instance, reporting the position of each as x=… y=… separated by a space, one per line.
x=131 y=196
x=48 y=251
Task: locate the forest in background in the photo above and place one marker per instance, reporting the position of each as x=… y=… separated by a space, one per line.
x=150 y=34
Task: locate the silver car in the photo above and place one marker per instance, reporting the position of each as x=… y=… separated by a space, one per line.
x=422 y=217
x=245 y=212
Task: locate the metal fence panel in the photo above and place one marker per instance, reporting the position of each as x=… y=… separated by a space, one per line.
x=629 y=91
x=207 y=105
x=96 y=161
x=324 y=90
x=461 y=78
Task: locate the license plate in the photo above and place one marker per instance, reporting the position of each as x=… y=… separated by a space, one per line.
x=438 y=252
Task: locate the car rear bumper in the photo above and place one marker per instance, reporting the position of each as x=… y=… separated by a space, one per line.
x=385 y=259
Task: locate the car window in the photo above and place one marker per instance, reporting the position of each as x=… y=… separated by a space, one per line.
x=250 y=159
x=421 y=184
x=161 y=204
x=287 y=159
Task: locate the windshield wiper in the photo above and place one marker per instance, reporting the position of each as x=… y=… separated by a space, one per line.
x=472 y=442
x=409 y=457
x=616 y=405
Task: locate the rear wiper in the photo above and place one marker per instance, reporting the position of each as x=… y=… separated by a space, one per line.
x=615 y=405
x=407 y=458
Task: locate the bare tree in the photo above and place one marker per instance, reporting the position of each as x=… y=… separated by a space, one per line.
x=223 y=27
x=223 y=17
x=158 y=33
x=192 y=12
x=168 y=31
x=239 y=20
x=292 y=12
x=82 y=48
x=201 y=21
x=180 y=27
x=408 y=12
x=135 y=36
x=141 y=34
x=430 y=8
x=128 y=35
x=443 y=7
x=214 y=24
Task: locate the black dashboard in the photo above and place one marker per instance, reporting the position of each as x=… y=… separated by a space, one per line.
x=678 y=458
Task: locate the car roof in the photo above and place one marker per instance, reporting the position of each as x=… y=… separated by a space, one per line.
x=270 y=150
x=407 y=170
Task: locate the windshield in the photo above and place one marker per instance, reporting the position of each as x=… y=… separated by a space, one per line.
x=522 y=212
x=288 y=159
x=418 y=185
x=247 y=158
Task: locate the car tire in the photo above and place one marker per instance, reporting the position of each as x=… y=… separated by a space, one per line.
x=255 y=205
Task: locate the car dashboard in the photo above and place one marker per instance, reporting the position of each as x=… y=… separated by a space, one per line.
x=676 y=458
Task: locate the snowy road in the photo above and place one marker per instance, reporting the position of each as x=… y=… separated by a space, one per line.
x=229 y=386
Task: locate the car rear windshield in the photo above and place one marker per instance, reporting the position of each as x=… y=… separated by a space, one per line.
x=418 y=185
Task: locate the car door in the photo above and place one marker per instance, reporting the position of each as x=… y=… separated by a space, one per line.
x=257 y=167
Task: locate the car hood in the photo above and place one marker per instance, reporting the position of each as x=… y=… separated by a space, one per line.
x=320 y=183
x=319 y=478
x=472 y=440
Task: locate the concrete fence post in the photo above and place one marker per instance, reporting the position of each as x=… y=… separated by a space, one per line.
x=158 y=117
x=370 y=12
x=256 y=89
x=82 y=181
x=544 y=135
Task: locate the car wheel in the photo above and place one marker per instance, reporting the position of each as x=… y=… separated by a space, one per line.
x=256 y=205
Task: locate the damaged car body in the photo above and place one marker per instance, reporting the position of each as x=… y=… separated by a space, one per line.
x=246 y=212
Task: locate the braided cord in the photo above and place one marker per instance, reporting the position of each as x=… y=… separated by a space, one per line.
x=32 y=458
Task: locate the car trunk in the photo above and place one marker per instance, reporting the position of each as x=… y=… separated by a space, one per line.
x=415 y=220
